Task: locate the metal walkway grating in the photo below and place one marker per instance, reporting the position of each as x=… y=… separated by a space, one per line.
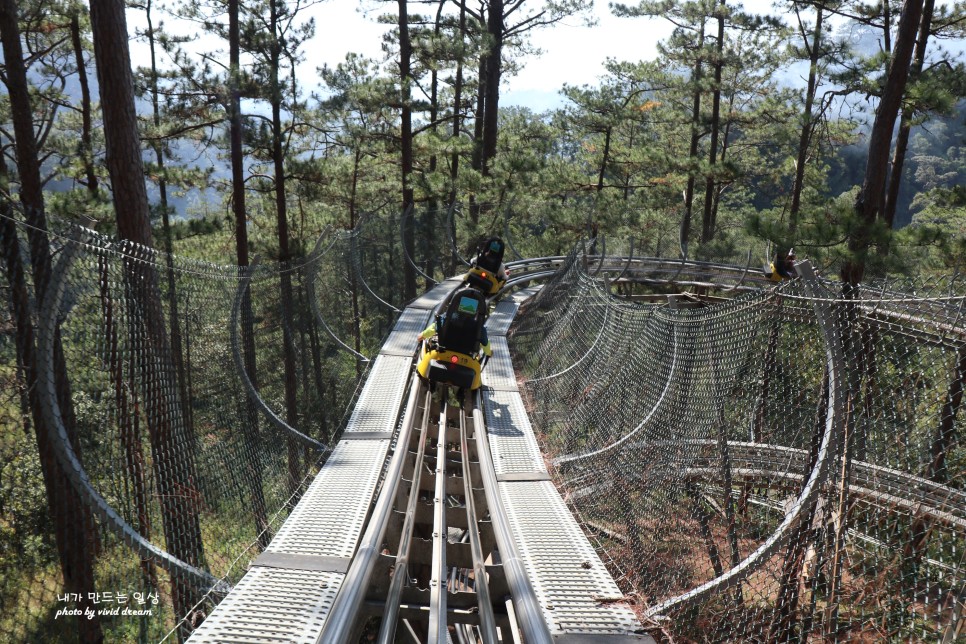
x=328 y=520
x=498 y=373
x=272 y=605
x=378 y=406
x=501 y=317
x=564 y=569
x=431 y=298
x=402 y=339
x=512 y=443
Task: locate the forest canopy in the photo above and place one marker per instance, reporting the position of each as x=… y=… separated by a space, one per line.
x=746 y=131
x=834 y=127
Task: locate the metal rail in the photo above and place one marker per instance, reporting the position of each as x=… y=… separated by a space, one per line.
x=834 y=426
x=345 y=608
x=243 y=285
x=526 y=607
x=769 y=463
x=440 y=559
x=437 y=582
x=482 y=586
x=400 y=574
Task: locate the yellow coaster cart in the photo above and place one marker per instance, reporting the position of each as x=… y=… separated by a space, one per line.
x=453 y=355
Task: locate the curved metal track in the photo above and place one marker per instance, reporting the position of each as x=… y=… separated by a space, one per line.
x=834 y=426
x=250 y=391
x=765 y=463
x=313 y=300
x=463 y=582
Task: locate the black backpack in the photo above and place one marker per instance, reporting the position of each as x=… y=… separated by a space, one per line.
x=462 y=325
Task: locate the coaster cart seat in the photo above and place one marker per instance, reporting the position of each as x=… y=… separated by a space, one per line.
x=771 y=273
x=778 y=270
x=453 y=356
x=484 y=275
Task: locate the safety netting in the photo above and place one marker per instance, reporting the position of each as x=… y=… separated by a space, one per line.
x=770 y=464
x=160 y=418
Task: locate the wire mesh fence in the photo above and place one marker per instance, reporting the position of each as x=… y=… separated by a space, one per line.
x=783 y=465
x=160 y=418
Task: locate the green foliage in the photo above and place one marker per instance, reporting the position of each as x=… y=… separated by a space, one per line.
x=612 y=161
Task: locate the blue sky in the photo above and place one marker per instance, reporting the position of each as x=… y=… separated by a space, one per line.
x=571 y=53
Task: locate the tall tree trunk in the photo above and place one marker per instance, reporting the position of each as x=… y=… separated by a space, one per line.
x=868 y=203
x=727 y=483
x=74 y=528
x=353 y=282
x=703 y=518
x=767 y=371
x=494 y=68
x=457 y=129
x=708 y=220
x=808 y=126
x=406 y=136
x=432 y=210
x=476 y=158
x=783 y=621
x=127 y=403
x=170 y=442
x=177 y=352
x=317 y=366
x=284 y=254
x=457 y=108
x=695 y=136
x=252 y=440
x=886 y=26
x=605 y=160
x=946 y=431
x=921 y=528
x=842 y=504
x=235 y=137
x=905 y=122
x=87 y=147
x=720 y=186
x=624 y=490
